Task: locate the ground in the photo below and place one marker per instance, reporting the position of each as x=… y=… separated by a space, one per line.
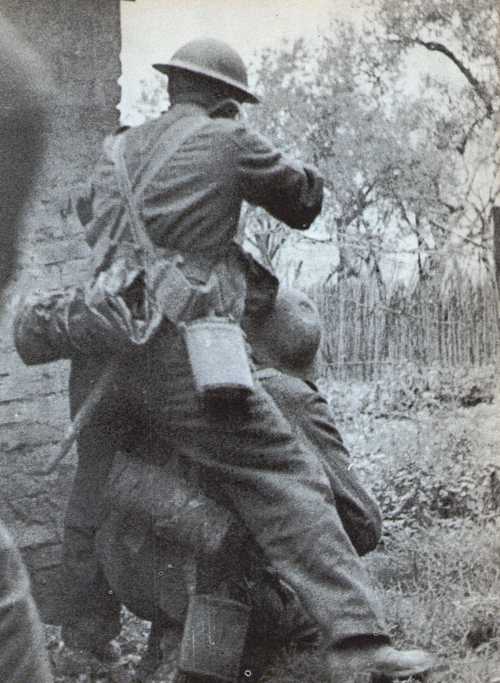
x=433 y=461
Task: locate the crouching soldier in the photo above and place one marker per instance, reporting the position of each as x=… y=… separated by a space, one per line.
x=182 y=180
x=177 y=519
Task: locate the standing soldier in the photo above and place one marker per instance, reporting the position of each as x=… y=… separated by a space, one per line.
x=188 y=173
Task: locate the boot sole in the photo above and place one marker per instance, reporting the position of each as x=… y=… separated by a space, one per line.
x=431 y=667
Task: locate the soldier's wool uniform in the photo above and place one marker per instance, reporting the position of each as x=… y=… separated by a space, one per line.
x=192 y=206
x=312 y=422
x=357 y=529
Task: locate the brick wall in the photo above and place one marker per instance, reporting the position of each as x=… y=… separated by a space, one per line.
x=80 y=40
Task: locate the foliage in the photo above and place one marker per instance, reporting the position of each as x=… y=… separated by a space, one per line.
x=422 y=491
x=430 y=465
x=153 y=98
x=441 y=591
x=440 y=582
x=461 y=35
x=366 y=150
x=461 y=31
x=403 y=152
x=410 y=387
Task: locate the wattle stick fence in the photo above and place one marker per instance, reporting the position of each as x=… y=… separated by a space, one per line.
x=369 y=331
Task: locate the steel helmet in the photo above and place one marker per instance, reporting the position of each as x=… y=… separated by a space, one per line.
x=289 y=335
x=214 y=59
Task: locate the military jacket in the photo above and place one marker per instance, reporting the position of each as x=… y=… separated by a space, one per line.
x=189 y=196
x=311 y=419
x=192 y=203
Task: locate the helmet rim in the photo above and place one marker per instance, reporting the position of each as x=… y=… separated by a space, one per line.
x=247 y=94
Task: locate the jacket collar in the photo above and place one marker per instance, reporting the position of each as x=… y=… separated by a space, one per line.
x=188 y=109
x=263 y=373
x=223 y=108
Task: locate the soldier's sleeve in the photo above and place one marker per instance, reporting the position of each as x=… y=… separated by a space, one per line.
x=357 y=507
x=86 y=195
x=289 y=191
x=63 y=324
x=322 y=426
x=41 y=327
x=22 y=653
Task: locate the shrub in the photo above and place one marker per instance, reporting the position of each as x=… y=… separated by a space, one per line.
x=455 y=489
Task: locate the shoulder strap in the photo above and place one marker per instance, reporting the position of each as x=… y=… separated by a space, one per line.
x=173 y=138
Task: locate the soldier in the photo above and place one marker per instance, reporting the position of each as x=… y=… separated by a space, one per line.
x=190 y=207
x=22 y=112
x=284 y=346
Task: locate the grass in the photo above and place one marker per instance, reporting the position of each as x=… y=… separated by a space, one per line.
x=438 y=570
x=441 y=591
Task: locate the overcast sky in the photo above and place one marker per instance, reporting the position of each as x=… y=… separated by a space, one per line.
x=153 y=29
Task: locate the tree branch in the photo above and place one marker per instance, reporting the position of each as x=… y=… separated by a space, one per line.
x=445 y=229
x=362 y=203
x=451 y=208
x=477 y=122
x=476 y=85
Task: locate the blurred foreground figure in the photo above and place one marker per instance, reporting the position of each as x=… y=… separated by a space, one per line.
x=23 y=658
x=23 y=86
x=23 y=655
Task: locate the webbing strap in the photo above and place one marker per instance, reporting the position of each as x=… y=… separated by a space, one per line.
x=173 y=138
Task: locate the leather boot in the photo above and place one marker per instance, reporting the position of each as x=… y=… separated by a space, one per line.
x=378 y=660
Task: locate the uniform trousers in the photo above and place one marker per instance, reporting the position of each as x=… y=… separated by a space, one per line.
x=250 y=455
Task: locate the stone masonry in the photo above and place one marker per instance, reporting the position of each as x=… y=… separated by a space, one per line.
x=80 y=41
